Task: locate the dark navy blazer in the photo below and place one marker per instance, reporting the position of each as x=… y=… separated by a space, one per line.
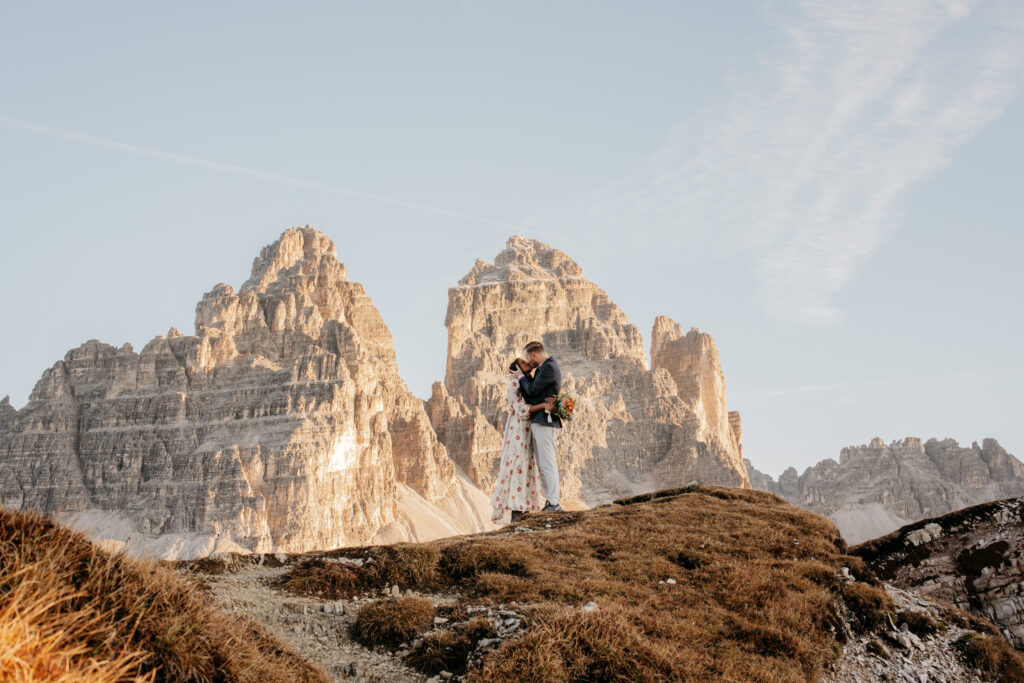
x=546 y=381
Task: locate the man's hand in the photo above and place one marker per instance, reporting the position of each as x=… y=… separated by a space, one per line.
x=549 y=404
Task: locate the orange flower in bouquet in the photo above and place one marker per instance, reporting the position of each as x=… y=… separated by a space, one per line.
x=564 y=406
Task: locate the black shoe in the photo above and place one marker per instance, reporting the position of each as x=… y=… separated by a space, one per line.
x=551 y=507
x=517 y=516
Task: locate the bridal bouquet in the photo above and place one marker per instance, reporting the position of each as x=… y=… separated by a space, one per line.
x=564 y=405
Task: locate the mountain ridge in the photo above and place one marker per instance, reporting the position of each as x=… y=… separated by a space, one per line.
x=876 y=488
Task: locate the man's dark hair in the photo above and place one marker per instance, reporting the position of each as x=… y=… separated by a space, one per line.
x=534 y=347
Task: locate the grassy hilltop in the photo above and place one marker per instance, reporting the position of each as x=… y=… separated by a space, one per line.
x=702 y=583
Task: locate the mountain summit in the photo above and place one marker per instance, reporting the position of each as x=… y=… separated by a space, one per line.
x=639 y=427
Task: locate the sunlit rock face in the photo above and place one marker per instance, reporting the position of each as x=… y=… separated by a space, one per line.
x=281 y=425
x=638 y=427
x=878 y=487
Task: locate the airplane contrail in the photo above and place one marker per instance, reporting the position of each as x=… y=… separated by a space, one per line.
x=139 y=150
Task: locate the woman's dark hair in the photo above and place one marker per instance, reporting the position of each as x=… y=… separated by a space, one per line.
x=514 y=365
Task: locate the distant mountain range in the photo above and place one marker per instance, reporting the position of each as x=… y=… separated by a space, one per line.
x=877 y=488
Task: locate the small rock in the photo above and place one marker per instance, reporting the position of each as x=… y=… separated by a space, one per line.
x=445 y=675
x=396 y=591
x=671 y=582
x=440 y=620
x=327 y=608
x=590 y=607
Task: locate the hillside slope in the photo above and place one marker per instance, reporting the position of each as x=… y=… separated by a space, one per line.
x=701 y=583
x=972 y=558
x=72 y=612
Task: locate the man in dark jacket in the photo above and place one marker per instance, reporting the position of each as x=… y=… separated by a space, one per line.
x=543 y=387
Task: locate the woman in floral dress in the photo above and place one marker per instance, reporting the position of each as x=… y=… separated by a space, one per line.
x=518 y=488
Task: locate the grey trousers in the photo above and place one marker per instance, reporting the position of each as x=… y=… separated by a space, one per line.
x=544 y=440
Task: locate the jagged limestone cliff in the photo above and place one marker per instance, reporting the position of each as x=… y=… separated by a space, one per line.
x=877 y=488
x=282 y=424
x=638 y=429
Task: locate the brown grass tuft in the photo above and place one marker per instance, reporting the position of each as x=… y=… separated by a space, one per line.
x=993 y=656
x=966 y=620
x=920 y=623
x=323 y=578
x=869 y=606
x=392 y=621
x=449 y=650
x=408 y=566
x=597 y=646
x=90 y=613
x=485 y=555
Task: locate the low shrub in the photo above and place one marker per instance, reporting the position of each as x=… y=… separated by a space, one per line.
x=920 y=623
x=408 y=566
x=993 y=656
x=470 y=559
x=323 y=578
x=392 y=621
x=869 y=606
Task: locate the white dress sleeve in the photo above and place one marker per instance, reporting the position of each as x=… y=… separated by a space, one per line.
x=519 y=407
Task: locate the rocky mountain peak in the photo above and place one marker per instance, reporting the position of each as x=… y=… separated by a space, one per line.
x=302 y=252
x=282 y=424
x=523 y=259
x=6 y=409
x=876 y=488
x=533 y=291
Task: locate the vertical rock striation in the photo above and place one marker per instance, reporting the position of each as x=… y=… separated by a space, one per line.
x=282 y=424
x=636 y=430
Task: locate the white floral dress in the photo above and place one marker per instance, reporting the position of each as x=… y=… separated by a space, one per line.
x=518 y=486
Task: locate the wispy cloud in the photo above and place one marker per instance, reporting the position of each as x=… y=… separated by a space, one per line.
x=803 y=171
x=234 y=169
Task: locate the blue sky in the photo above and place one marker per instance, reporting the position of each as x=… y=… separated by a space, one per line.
x=832 y=190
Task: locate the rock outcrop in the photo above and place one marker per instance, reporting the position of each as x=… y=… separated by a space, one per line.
x=636 y=430
x=282 y=424
x=877 y=488
x=972 y=558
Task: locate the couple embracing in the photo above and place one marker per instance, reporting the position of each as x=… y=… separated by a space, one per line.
x=528 y=474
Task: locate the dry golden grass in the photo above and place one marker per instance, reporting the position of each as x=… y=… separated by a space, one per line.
x=757 y=595
x=409 y=566
x=448 y=650
x=992 y=655
x=70 y=611
x=920 y=623
x=392 y=621
x=869 y=606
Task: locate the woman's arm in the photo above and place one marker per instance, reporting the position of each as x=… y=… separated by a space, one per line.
x=548 y=404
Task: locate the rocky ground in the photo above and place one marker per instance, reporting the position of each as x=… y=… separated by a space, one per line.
x=890 y=634
x=898 y=654
x=317 y=630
